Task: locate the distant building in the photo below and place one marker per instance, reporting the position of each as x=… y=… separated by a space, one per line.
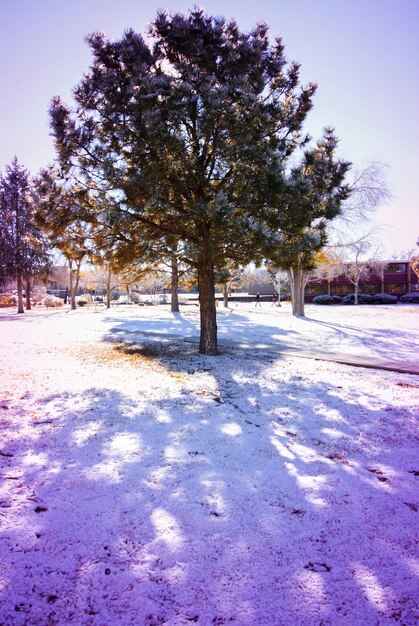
x=58 y=279
x=396 y=279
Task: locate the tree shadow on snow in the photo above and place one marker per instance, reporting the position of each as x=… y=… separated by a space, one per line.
x=231 y=325
x=234 y=498
x=386 y=343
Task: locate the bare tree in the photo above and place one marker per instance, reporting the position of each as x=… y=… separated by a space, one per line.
x=350 y=243
x=362 y=263
x=402 y=255
x=369 y=189
x=103 y=279
x=154 y=285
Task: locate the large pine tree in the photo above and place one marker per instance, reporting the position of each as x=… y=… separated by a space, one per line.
x=187 y=136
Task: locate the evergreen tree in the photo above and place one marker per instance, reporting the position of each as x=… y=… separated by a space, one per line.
x=187 y=136
x=23 y=248
x=310 y=198
x=65 y=212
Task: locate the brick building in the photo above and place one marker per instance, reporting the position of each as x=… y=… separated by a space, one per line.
x=393 y=277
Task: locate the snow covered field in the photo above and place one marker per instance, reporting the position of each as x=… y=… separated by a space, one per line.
x=145 y=484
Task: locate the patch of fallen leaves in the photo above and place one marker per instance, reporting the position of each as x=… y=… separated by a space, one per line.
x=123 y=353
x=113 y=352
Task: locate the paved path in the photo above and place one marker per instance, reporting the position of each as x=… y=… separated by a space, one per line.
x=404 y=367
x=355 y=360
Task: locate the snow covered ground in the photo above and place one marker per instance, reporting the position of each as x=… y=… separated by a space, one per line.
x=145 y=484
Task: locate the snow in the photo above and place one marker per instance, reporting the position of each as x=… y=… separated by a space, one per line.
x=145 y=484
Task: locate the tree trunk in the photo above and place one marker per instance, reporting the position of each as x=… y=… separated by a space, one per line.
x=74 y=281
x=174 y=304
x=224 y=289
x=208 y=313
x=356 y=292
x=108 y=289
x=298 y=279
x=28 y=294
x=72 y=287
x=278 y=287
x=19 y=285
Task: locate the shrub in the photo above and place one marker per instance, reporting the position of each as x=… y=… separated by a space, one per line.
x=135 y=297
x=38 y=294
x=7 y=299
x=81 y=302
x=124 y=300
x=384 y=298
x=325 y=299
x=363 y=298
x=410 y=297
x=52 y=301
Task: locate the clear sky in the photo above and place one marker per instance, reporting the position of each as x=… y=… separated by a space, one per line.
x=363 y=54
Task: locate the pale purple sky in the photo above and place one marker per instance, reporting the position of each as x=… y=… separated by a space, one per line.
x=363 y=54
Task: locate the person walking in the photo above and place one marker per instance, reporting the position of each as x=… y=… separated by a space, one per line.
x=258 y=300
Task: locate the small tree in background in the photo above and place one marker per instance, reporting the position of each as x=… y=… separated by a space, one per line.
x=154 y=285
x=64 y=210
x=24 y=251
x=311 y=196
x=173 y=259
x=361 y=264
x=231 y=276
x=414 y=262
x=281 y=282
x=101 y=278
